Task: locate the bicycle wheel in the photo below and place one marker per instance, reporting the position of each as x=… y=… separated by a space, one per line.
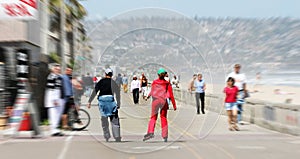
x=82 y=121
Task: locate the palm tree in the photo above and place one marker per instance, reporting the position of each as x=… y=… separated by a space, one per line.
x=74 y=12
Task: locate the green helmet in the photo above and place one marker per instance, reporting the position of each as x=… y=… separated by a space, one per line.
x=161 y=70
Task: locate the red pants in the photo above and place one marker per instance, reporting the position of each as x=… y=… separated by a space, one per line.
x=159 y=104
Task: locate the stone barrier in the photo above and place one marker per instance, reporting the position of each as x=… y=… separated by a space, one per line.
x=284 y=118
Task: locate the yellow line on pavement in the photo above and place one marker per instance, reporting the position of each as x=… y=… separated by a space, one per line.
x=223 y=150
x=194 y=137
x=180 y=130
x=193 y=152
x=132 y=157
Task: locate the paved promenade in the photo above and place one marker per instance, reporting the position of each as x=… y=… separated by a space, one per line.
x=191 y=136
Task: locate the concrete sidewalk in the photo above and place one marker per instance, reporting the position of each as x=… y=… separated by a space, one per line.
x=183 y=123
x=191 y=136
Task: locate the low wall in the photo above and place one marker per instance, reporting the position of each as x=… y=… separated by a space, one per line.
x=284 y=118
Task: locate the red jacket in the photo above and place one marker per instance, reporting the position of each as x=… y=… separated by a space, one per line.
x=162 y=89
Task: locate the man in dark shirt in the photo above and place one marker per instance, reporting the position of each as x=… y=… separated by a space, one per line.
x=108 y=107
x=87 y=84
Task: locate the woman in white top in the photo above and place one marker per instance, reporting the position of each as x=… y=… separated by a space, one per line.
x=135 y=88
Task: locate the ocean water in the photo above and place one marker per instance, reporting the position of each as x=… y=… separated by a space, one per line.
x=284 y=78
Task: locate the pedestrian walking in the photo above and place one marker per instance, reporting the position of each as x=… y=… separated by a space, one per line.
x=160 y=91
x=174 y=82
x=88 y=84
x=77 y=89
x=54 y=99
x=119 y=80
x=144 y=85
x=108 y=105
x=231 y=93
x=200 y=88
x=68 y=96
x=240 y=83
x=191 y=83
x=135 y=88
x=125 y=83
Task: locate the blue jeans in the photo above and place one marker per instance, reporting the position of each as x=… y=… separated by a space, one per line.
x=240 y=102
x=107 y=105
x=231 y=106
x=108 y=109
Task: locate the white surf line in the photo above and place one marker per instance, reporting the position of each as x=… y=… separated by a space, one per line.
x=251 y=147
x=66 y=146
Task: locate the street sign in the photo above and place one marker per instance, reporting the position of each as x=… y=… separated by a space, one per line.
x=19 y=9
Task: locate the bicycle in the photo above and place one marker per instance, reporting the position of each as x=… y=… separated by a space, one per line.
x=78 y=119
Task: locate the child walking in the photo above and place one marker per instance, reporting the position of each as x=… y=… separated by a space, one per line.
x=231 y=93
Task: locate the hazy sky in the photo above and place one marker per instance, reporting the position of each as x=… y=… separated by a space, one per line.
x=201 y=8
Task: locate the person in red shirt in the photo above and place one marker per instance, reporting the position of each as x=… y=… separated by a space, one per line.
x=231 y=93
x=160 y=91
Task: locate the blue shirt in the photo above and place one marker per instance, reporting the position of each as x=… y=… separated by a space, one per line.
x=125 y=80
x=199 y=86
x=67 y=85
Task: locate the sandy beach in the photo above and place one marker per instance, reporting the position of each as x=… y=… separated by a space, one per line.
x=284 y=94
x=276 y=94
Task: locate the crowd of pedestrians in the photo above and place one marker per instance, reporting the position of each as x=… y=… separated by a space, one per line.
x=235 y=93
x=63 y=90
x=239 y=82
